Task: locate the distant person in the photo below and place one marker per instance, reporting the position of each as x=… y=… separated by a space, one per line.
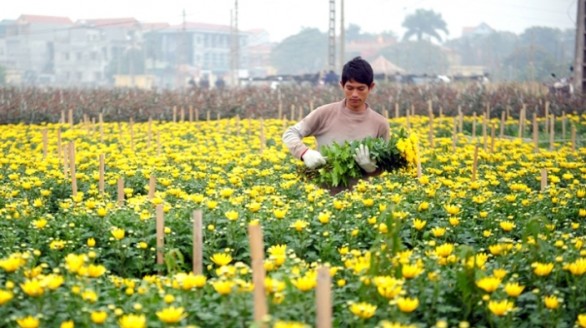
x=347 y=120
x=331 y=78
x=220 y=83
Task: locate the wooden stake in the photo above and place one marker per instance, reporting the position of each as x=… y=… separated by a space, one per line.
x=397 y=110
x=101 y=179
x=120 y=190
x=292 y=114
x=197 y=242
x=182 y=115
x=492 y=137
x=258 y=272
x=160 y=231
x=460 y=120
x=543 y=179
x=535 y=134
x=455 y=135
x=70 y=118
x=564 y=123
x=208 y=114
x=323 y=298
x=552 y=133
x=503 y=122
x=484 y=131
x=522 y=122
x=174 y=114
x=72 y=168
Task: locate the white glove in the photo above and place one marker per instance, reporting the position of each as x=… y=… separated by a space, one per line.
x=313 y=159
x=363 y=159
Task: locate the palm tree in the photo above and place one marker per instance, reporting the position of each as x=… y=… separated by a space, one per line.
x=424 y=22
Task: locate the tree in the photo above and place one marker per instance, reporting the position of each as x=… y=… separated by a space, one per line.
x=418 y=57
x=302 y=53
x=424 y=22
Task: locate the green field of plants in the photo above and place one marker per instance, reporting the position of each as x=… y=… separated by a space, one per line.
x=488 y=230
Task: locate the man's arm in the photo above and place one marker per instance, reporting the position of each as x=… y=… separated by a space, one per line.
x=293 y=139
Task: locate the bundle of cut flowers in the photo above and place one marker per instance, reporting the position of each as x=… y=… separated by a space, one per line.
x=400 y=151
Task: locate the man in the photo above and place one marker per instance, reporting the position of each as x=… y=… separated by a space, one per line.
x=347 y=120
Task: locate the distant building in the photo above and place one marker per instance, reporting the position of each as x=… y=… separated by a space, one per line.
x=51 y=50
x=481 y=29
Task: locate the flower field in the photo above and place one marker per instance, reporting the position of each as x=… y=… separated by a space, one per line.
x=489 y=233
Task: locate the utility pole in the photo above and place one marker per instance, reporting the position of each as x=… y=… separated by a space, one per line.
x=342 y=36
x=332 y=37
x=579 y=60
x=235 y=49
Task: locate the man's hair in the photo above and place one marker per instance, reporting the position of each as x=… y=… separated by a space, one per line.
x=358 y=70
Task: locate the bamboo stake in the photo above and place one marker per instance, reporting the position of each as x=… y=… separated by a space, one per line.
x=323 y=298
x=552 y=133
x=492 y=137
x=280 y=114
x=258 y=272
x=460 y=120
x=72 y=168
x=543 y=179
x=152 y=186
x=522 y=122
x=564 y=123
x=502 y=130
x=160 y=231
x=546 y=122
x=197 y=242
x=70 y=117
x=535 y=134
x=484 y=131
x=101 y=179
x=455 y=134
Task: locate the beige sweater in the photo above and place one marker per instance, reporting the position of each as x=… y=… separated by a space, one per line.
x=335 y=123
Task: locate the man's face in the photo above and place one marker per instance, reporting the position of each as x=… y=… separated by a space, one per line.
x=356 y=94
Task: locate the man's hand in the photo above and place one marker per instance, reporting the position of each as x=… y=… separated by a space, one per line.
x=362 y=157
x=313 y=159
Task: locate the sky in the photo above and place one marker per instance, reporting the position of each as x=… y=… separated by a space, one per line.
x=283 y=18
